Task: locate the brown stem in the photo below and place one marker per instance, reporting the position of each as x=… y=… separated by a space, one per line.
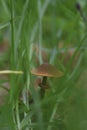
x=44 y=80
x=42 y=91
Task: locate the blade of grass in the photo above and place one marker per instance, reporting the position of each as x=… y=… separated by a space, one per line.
x=10 y=72
x=13 y=59
x=36 y=25
x=76 y=67
x=5 y=7
x=17 y=116
x=40 y=31
x=73 y=57
x=21 y=23
x=4 y=25
x=1 y=86
x=12 y=35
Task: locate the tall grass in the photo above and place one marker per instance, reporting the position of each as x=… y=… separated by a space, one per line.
x=44 y=24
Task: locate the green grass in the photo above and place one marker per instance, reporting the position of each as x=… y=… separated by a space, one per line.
x=44 y=24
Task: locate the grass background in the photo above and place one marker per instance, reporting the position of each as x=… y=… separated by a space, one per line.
x=37 y=31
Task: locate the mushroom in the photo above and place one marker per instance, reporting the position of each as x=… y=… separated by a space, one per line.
x=46 y=70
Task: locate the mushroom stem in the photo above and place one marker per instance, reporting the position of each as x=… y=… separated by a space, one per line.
x=44 y=80
x=42 y=91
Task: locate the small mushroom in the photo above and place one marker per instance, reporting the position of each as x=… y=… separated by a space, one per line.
x=46 y=70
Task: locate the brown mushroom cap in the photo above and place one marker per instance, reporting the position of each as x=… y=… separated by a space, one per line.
x=48 y=70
